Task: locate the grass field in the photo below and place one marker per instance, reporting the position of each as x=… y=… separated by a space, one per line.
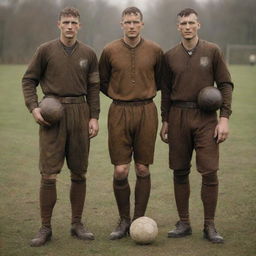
x=19 y=180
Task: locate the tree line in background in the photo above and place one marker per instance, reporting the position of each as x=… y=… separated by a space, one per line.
x=25 y=24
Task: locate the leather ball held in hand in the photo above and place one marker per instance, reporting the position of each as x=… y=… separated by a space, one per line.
x=51 y=110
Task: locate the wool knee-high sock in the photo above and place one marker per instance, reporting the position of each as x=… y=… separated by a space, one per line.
x=122 y=194
x=77 y=199
x=209 y=195
x=48 y=197
x=142 y=193
x=182 y=193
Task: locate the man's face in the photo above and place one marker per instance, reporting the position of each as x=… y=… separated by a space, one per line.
x=132 y=25
x=188 y=26
x=69 y=26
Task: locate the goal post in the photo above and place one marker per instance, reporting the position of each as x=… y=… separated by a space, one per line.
x=239 y=54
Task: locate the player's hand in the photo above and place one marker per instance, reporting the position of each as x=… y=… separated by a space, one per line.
x=36 y=112
x=221 y=131
x=93 y=127
x=164 y=132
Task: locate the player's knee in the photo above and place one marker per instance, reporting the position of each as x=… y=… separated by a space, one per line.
x=77 y=177
x=121 y=172
x=142 y=170
x=181 y=176
x=49 y=176
x=210 y=179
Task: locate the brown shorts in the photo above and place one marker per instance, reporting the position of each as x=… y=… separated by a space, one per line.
x=68 y=139
x=192 y=129
x=132 y=129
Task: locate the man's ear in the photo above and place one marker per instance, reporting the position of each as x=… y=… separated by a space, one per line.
x=178 y=26
x=121 y=24
x=199 y=25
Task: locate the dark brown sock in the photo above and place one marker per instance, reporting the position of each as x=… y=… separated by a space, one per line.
x=122 y=194
x=77 y=198
x=48 y=197
x=209 y=195
x=142 y=193
x=182 y=193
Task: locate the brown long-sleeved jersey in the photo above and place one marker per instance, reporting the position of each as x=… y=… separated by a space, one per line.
x=63 y=75
x=128 y=73
x=186 y=75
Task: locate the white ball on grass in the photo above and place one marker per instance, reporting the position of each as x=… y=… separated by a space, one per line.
x=143 y=230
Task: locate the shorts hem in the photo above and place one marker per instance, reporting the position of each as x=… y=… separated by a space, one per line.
x=180 y=168
x=49 y=173
x=205 y=172
x=144 y=163
x=80 y=172
x=120 y=163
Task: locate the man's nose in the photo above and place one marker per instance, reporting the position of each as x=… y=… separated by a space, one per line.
x=132 y=25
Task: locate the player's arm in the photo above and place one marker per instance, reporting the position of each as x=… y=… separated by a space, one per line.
x=225 y=85
x=222 y=129
x=105 y=72
x=93 y=99
x=159 y=70
x=165 y=100
x=30 y=81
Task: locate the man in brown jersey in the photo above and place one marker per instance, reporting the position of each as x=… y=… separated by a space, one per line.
x=66 y=69
x=190 y=66
x=130 y=70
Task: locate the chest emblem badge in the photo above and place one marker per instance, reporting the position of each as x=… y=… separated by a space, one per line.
x=204 y=61
x=83 y=63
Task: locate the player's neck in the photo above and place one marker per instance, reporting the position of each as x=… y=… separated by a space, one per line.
x=132 y=42
x=68 y=42
x=190 y=44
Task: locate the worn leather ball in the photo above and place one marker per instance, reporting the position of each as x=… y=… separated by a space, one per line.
x=51 y=110
x=209 y=99
x=143 y=230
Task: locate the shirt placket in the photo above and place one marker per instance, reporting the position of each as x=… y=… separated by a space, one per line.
x=132 y=52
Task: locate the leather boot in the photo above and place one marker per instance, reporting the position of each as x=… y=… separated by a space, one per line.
x=182 y=229
x=79 y=231
x=121 y=230
x=44 y=234
x=212 y=235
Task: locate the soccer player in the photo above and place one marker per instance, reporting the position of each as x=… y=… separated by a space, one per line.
x=192 y=65
x=130 y=72
x=66 y=69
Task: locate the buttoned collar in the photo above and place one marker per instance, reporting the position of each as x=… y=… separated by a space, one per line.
x=130 y=47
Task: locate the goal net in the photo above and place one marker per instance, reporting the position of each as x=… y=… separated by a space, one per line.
x=240 y=54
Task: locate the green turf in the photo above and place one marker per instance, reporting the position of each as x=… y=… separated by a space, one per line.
x=19 y=179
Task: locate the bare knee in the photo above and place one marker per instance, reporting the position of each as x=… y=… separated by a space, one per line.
x=121 y=171
x=141 y=169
